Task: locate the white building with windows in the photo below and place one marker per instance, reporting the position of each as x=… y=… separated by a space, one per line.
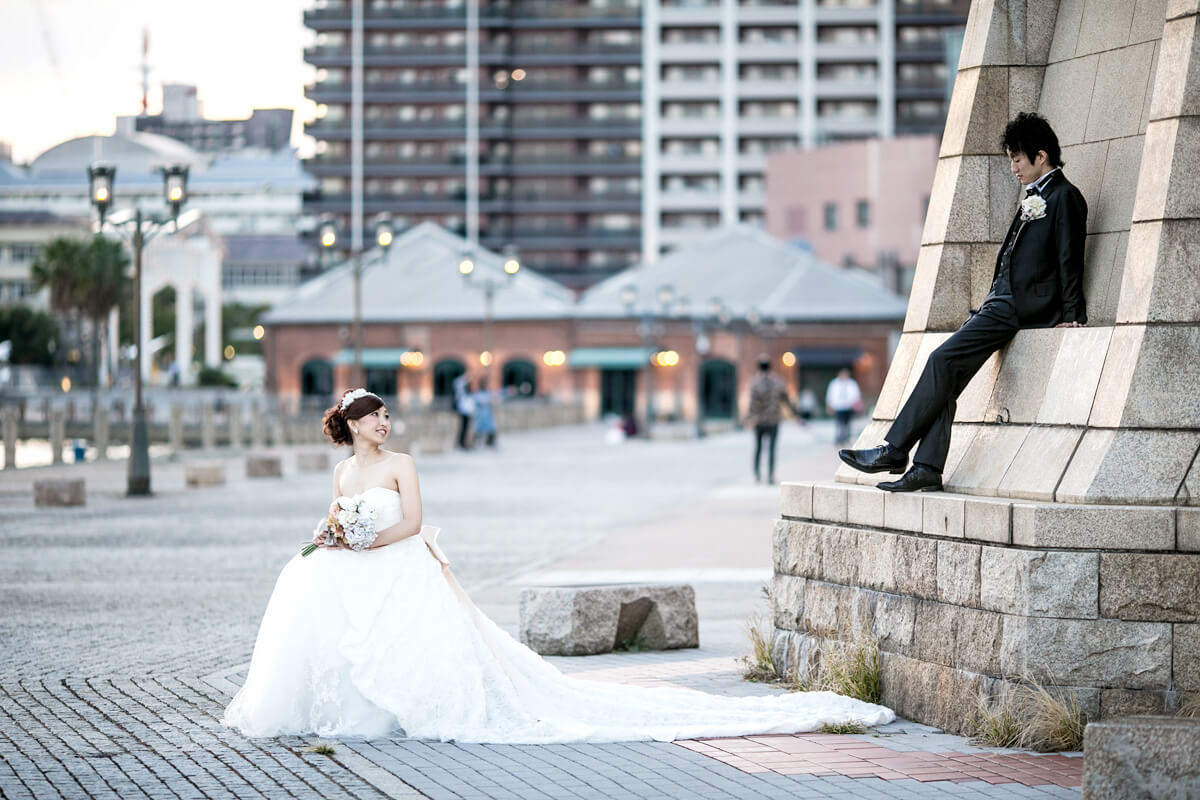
x=734 y=80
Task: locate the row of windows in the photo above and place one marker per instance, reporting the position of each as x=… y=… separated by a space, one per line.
x=19 y=251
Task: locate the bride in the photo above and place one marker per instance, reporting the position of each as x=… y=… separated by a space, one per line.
x=384 y=641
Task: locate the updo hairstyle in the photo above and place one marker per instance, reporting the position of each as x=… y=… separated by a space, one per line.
x=336 y=423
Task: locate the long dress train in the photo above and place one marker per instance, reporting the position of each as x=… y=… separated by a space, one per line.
x=374 y=643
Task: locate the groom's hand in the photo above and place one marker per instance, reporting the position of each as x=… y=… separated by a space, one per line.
x=1070 y=325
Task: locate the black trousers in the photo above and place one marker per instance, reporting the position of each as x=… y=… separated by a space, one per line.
x=842 y=417
x=464 y=429
x=929 y=412
x=770 y=433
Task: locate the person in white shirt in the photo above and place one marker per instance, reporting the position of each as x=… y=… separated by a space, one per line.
x=843 y=398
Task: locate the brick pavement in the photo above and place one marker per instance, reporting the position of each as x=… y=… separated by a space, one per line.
x=128 y=624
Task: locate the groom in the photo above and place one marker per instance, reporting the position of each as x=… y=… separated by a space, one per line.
x=1038 y=283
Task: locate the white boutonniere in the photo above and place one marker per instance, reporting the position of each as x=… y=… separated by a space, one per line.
x=1033 y=207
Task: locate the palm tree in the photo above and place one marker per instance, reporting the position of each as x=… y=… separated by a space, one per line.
x=60 y=267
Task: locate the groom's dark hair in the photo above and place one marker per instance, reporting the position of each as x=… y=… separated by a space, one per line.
x=1028 y=133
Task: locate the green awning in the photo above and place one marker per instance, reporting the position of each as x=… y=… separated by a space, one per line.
x=372 y=356
x=609 y=357
x=826 y=356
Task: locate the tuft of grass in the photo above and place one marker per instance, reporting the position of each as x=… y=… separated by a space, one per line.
x=854 y=670
x=1031 y=717
x=1190 y=707
x=323 y=749
x=759 y=665
x=844 y=728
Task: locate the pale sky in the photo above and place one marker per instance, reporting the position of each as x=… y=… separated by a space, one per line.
x=69 y=67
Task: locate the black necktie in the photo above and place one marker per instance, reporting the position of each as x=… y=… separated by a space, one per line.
x=1030 y=190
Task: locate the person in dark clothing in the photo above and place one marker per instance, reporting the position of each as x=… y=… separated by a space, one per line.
x=767 y=399
x=1037 y=283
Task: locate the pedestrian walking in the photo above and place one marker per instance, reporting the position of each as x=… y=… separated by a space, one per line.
x=768 y=398
x=807 y=402
x=842 y=399
x=464 y=404
x=484 y=420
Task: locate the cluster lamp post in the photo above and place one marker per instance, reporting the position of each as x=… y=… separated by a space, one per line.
x=101 y=180
x=665 y=295
x=489 y=285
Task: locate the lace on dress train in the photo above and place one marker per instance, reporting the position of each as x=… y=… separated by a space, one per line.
x=372 y=643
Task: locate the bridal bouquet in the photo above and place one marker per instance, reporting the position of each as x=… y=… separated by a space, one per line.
x=351 y=524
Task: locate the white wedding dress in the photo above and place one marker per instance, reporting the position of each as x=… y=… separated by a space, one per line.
x=374 y=643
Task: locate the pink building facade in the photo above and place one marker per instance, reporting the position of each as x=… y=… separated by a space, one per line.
x=856 y=203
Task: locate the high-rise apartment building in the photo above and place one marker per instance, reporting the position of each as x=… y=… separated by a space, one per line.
x=611 y=129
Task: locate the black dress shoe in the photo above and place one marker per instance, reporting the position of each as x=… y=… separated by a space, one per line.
x=884 y=458
x=918 y=479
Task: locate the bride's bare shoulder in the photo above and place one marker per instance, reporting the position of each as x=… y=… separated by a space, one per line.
x=399 y=459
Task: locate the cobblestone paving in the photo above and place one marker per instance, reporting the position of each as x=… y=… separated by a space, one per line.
x=127 y=625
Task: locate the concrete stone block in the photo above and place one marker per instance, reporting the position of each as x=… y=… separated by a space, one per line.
x=941 y=291
x=1131 y=702
x=1066 y=97
x=312 y=462
x=985 y=462
x=1164 y=383
x=953 y=636
x=864 y=506
x=1071 y=386
x=1024 y=373
x=1122 y=78
x=263 y=466
x=796 y=548
x=1141 y=757
x=943 y=514
x=958 y=114
x=935 y=694
x=1112 y=392
x=1176 y=92
x=1100 y=652
x=1085 y=166
x=894 y=622
x=961 y=438
x=965 y=215
x=1148 y=17
x=1039 y=464
x=199 y=474
x=1187 y=529
x=840 y=561
x=1133 y=466
x=1005 y=194
x=1182 y=8
x=916 y=566
x=1150 y=89
x=1105 y=26
x=837 y=612
x=59 y=492
x=897 y=377
x=795 y=500
x=972 y=404
x=1040 y=21
x=829 y=502
x=1103 y=274
x=1154 y=185
x=585 y=620
x=787 y=602
x=1164 y=255
x=1142 y=586
x=1066 y=30
x=958 y=573
x=983 y=93
x=1185 y=660
x=987 y=520
x=1093 y=527
x=877 y=560
x=1115 y=209
x=1039 y=583
x=902 y=511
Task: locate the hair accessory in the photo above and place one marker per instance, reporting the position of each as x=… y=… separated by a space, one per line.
x=350 y=397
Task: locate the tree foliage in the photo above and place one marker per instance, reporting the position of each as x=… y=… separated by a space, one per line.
x=34 y=335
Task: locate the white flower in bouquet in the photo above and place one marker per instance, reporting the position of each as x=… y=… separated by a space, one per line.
x=351 y=523
x=1033 y=207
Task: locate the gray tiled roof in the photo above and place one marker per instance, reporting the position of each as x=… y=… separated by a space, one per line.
x=266 y=249
x=418 y=280
x=746 y=269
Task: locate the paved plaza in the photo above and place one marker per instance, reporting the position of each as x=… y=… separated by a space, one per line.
x=128 y=624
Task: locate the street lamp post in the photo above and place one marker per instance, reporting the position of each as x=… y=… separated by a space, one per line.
x=489 y=285
x=384 y=234
x=665 y=295
x=101 y=179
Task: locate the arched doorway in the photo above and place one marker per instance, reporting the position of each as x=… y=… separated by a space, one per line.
x=718 y=389
x=316 y=383
x=444 y=373
x=521 y=374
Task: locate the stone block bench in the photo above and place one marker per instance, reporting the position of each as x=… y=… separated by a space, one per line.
x=1149 y=756
x=586 y=620
x=58 y=492
x=261 y=466
x=204 y=474
x=312 y=462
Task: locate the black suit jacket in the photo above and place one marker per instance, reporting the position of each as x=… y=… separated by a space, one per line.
x=1046 y=264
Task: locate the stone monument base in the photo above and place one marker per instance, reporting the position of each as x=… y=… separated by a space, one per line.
x=965 y=594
